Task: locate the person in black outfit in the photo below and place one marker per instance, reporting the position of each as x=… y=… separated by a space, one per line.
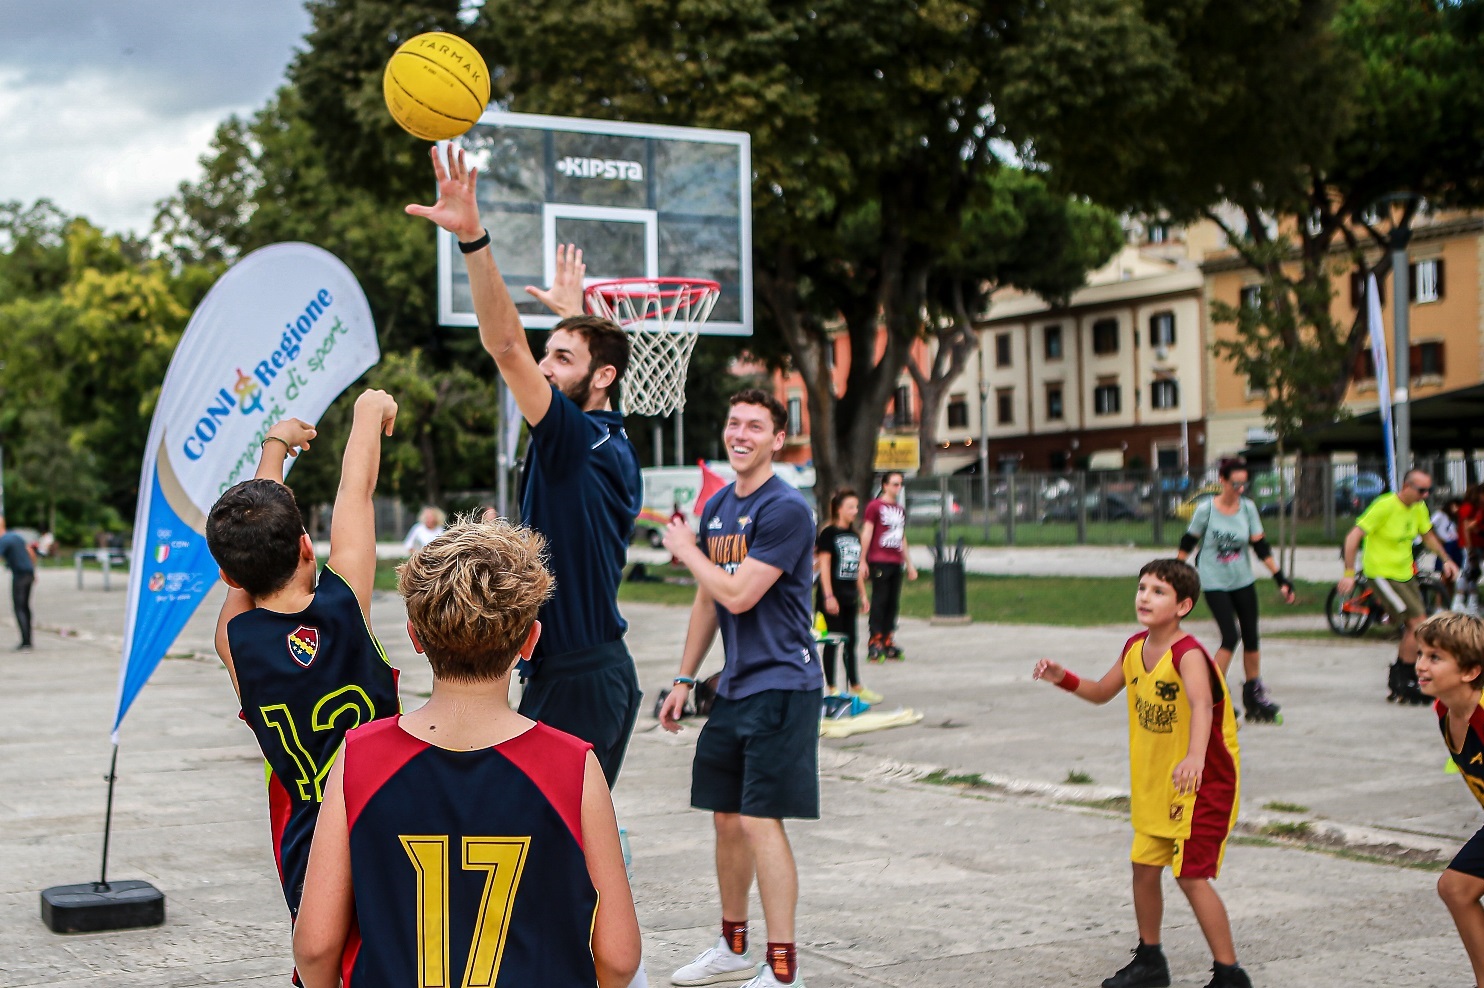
x=840 y=594
x=21 y=559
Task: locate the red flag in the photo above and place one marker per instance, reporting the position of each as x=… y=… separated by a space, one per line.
x=711 y=482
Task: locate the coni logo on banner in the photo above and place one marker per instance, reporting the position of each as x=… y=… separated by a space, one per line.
x=246 y=392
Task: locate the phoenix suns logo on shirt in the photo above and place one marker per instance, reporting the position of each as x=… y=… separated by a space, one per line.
x=303 y=644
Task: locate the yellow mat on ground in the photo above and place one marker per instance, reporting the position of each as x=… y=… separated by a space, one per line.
x=872 y=720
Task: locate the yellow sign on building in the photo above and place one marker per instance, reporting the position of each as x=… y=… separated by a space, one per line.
x=897 y=453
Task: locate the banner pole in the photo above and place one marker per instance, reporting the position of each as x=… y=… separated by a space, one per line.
x=108 y=816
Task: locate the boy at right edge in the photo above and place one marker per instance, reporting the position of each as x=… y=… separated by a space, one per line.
x=1450 y=658
x=1183 y=770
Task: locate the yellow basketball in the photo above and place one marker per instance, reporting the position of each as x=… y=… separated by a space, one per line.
x=436 y=86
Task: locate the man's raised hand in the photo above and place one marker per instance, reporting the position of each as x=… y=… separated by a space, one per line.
x=456 y=210
x=564 y=297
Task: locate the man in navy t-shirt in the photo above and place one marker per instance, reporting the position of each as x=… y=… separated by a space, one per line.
x=581 y=489
x=757 y=759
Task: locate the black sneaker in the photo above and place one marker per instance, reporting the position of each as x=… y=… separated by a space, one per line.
x=1402 y=681
x=1229 y=976
x=1148 y=969
x=1396 y=680
x=1260 y=709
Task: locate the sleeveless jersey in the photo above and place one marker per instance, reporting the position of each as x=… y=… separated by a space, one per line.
x=305 y=679
x=1470 y=758
x=467 y=866
x=1159 y=738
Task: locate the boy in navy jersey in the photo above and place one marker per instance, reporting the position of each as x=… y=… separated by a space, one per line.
x=462 y=843
x=1450 y=658
x=301 y=653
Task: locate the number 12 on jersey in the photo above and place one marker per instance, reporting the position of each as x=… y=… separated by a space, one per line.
x=503 y=859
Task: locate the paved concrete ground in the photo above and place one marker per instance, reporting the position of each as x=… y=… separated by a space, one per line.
x=904 y=882
x=1311 y=562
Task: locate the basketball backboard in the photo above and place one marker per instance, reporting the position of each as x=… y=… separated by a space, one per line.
x=640 y=200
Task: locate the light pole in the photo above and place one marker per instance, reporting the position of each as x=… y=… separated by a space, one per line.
x=1401 y=410
x=984 y=439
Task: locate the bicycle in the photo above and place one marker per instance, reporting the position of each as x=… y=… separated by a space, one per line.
x=1353 y=614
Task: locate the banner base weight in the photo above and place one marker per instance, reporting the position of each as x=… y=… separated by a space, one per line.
x=94 y=906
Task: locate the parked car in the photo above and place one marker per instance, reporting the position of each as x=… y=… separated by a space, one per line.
x=927 y=507
x=1354 y=494
x=1100 y=507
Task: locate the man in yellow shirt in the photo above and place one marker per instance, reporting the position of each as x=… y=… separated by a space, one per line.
x=1388 y=528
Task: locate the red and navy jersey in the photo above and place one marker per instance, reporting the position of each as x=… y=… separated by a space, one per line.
x=305 y=679
x=1469 y=758
x=467 y=866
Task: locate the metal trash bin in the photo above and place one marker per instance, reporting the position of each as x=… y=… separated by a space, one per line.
x=950 y=588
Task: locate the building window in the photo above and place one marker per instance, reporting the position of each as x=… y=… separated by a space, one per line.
x=1427 y=360
x=1002 y=350
x=1165 y=393
x=1054 y=411
x=1251 y=297
x=1107 y=399
x=1427 y=281
x=1365 y=366
x=958 y=411
x=901 y=408
x=1105 y=336
x=795 y=415
x=1158 y=233
x=1005 y=406
x=1162 y=329
x=1052 y=342
x=1358 y=281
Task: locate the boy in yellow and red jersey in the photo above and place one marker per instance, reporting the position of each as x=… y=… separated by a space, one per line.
x=1450 y=658
x=1183 y=768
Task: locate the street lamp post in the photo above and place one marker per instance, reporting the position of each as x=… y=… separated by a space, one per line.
x=1401 y=409
x=984 y=440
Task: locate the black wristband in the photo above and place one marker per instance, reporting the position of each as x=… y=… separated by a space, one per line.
x=1282 y=580
x=473 y=245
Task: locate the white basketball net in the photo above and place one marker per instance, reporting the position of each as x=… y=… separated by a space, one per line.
x=663 y=318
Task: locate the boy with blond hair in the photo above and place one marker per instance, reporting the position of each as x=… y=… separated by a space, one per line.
x=463 y=836
x=1450 y=658
x=1183 y=768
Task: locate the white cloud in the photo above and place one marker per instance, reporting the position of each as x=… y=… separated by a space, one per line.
x=97 y=150
x=106 y=107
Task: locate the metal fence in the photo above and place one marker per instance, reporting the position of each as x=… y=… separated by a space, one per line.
x=1148 y=507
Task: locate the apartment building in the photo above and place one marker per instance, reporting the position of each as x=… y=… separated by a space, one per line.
x=1111 y=380
x=1445 y=319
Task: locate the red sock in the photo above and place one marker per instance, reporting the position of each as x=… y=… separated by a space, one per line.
x=783 y=958
x=735 y=934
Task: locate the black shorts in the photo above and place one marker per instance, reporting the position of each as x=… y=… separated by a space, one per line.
x=592 y=694
x=759 y=756
x=1470 y=857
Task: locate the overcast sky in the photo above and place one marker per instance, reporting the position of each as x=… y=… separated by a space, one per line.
x=106 y=105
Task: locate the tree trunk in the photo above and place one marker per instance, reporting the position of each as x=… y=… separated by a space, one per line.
x=954 y=340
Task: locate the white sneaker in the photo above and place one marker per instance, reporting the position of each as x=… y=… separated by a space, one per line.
x=766 y=979
x=716 y=966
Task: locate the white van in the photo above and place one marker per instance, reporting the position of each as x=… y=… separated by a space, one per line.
x=665 y=488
